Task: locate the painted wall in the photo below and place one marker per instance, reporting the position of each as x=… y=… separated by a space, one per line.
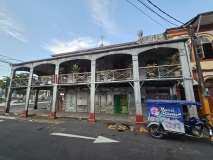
x=78 y=99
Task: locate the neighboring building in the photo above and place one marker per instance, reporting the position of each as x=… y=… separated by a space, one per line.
x=203 y=26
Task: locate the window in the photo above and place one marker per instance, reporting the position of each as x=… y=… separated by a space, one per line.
x=207 y=50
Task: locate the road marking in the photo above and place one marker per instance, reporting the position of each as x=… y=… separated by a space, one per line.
x=131 y=128
x=99 y=139
x=1 y=120
x=143 y=130
x=121 y=128
x=5 y=117
x=112 y=126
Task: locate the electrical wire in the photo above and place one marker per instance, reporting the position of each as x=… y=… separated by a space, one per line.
x=8 y=60
x=146 y=14
x=164 y=12
x=156 y=12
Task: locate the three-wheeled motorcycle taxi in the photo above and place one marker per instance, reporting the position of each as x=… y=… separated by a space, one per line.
x=166 y=116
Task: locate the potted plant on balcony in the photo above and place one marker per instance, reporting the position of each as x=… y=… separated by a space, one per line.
x=74 y=70
x=173 y=60
x=150 y=69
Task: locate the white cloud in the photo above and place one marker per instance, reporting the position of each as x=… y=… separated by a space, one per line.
x=81 y=43
x=102 y=11
x=9 y=27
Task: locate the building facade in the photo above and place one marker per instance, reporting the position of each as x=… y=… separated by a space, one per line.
x=113 y=79
x=203 y=28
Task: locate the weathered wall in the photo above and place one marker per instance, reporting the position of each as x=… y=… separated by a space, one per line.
x=78 y=100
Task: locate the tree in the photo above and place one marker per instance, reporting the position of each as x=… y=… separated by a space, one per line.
x=4 y=83
x=22 y=75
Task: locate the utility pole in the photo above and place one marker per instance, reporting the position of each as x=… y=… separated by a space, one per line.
x=195 y=44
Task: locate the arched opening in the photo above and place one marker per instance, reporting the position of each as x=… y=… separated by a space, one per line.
x=43 y=75
x=159 y=63
x=20 y=82
x=117 y=67
x=206 y=51
x=75 y=71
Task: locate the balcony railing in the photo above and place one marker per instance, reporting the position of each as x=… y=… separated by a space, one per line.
x=153 y=72
x=84 y=77
x=114 y=75
x=42 y=80
x=19 y=82
x=164 y=71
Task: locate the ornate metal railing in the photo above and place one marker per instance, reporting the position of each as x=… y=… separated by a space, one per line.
x=19 y=82
x=42 y=80
x=84 y=77
x=164 y=71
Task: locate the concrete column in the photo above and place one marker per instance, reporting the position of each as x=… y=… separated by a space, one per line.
x=25 y=111
x=54 y=95
x=187 y=79
x=9 y=93
x=137 y=91
x=92 y=93
x=36 y=100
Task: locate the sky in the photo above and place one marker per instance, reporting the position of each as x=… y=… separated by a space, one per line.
x=36 y=29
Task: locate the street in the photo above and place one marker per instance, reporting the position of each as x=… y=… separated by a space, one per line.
x=69 y=139
x=20 y=107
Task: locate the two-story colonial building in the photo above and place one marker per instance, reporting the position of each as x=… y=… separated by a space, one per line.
x=113 y=79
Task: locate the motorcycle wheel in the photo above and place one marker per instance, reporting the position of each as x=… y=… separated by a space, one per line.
x=156 y=134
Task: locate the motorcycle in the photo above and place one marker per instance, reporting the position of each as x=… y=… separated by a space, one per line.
x=166 y=117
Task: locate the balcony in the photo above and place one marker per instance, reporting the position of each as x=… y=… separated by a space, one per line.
x=42 y=80
x=73 y=78
x=107 y=76
x=160 y=72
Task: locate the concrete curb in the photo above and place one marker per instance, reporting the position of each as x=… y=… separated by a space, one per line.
x=76 y=118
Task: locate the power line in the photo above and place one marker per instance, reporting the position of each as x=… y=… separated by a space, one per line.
x=164 y=12
x=8 y=60
x=145 y=14
x=155 y=12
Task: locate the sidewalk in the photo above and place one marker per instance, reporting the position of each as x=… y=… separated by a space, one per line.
x=81 y=116
x=43 y=112
x=14 y=103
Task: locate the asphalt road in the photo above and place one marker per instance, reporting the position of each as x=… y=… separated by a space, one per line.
x=20 y=107
x=30 y=138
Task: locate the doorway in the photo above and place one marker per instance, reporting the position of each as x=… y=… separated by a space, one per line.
x=120 y=104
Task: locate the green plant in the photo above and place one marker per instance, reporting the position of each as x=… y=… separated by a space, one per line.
x=151 y=67
x=75 y=68
x=172 y=60
x=61 y=70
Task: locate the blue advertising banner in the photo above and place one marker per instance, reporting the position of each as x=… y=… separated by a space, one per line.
x=169 y=115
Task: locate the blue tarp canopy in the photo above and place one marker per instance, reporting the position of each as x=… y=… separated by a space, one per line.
x=178 y=102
